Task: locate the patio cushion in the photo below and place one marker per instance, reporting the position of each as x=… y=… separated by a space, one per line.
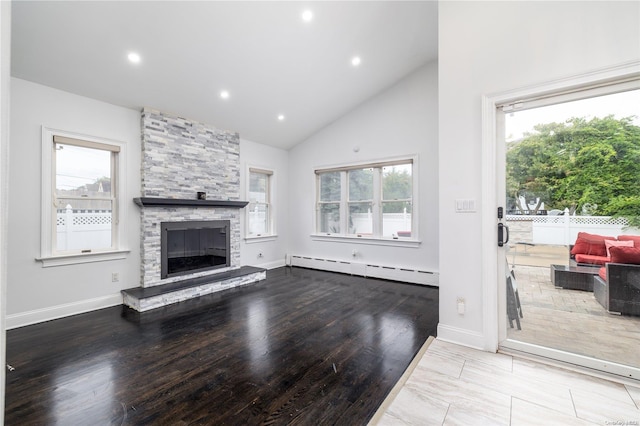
x=634 y=238
x=609 y=243
x=594 y=260
x=602 y=272
x=590 y=244
x=625 y=255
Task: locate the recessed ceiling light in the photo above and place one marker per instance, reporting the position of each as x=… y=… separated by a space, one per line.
x=224 y=94
x=307 y=16
x=134 y=58
x=355 y=61
x=281 y=117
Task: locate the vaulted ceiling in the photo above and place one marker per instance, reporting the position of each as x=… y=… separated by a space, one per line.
x=269 y=60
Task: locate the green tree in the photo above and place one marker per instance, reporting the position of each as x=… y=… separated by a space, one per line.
x=330 y=186
x=360 y=185
x=396 y=185
x=579 y=163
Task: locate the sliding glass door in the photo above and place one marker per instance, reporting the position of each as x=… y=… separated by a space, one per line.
x=571 y=168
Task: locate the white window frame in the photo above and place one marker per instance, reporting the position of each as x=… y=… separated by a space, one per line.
x=377 y=238
x=271 y=208
x=48 y=255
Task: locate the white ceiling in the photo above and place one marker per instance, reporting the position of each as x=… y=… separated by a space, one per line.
x=269 y=60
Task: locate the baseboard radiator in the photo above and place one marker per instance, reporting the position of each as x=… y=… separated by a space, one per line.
x=408 y=275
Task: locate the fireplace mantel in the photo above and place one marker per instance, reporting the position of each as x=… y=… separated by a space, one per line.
x=181 y=202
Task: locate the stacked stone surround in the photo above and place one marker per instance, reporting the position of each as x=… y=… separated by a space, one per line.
x=150 y=250
x=179 y=158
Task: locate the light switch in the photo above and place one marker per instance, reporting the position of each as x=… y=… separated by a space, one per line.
x=465 y=205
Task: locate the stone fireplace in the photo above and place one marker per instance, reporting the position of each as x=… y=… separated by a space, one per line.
x=179 y=159
x=151 y=248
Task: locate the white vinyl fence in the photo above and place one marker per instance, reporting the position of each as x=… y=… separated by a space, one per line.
x=563 y=230
x=81 y=230
x=393 y=223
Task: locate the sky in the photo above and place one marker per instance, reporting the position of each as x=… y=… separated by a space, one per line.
x=621 y=105
x=78 y=166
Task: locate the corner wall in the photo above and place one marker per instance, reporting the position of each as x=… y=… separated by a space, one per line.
x=5 y=79
x=489 y=47
x=401 y=120
x=273 y=249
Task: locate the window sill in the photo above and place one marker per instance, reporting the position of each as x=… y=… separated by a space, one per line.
x=73 y=259
x=400 y=242
x=261 y=238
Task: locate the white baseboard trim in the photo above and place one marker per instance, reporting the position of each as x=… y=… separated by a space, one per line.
x=460 y=336
x=60 y=311
x=272 y=265
x=395 y=273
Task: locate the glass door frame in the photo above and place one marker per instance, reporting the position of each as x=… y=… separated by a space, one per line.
x=494 y=194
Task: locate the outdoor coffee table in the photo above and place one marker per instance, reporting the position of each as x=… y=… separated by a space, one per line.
x=573 y=277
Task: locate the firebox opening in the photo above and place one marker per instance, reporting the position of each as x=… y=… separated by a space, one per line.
x=194 y=246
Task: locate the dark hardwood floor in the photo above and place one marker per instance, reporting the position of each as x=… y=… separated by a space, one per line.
x=301 y=347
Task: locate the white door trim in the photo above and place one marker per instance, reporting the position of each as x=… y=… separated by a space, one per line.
x=494 y=297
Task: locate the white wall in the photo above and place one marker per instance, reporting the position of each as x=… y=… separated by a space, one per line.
x=401 y=120
x=488 y=47
x=35 y=293
x=5 y=79
x=273 y=249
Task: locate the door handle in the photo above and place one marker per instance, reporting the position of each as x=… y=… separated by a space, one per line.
x=502 y=229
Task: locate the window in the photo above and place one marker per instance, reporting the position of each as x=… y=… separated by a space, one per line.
x=396 y=200
x=367 y=201
x=80 y=197
x=260 y=210
x=329 y=202
x=360 y=201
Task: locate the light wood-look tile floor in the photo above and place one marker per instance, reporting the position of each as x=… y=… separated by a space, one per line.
x=455 y=385
x=572 y=321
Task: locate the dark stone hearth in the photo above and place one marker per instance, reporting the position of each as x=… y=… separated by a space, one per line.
x=147 y=292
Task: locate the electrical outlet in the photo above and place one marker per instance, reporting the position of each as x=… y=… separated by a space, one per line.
x=115 y=277
x=460 y=305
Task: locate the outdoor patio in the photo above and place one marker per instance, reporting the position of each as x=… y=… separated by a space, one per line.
x=569 y=320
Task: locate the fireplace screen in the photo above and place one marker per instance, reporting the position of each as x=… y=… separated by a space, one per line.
x=194 y=246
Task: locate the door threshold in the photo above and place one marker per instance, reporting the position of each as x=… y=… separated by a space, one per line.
x=611 y=371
